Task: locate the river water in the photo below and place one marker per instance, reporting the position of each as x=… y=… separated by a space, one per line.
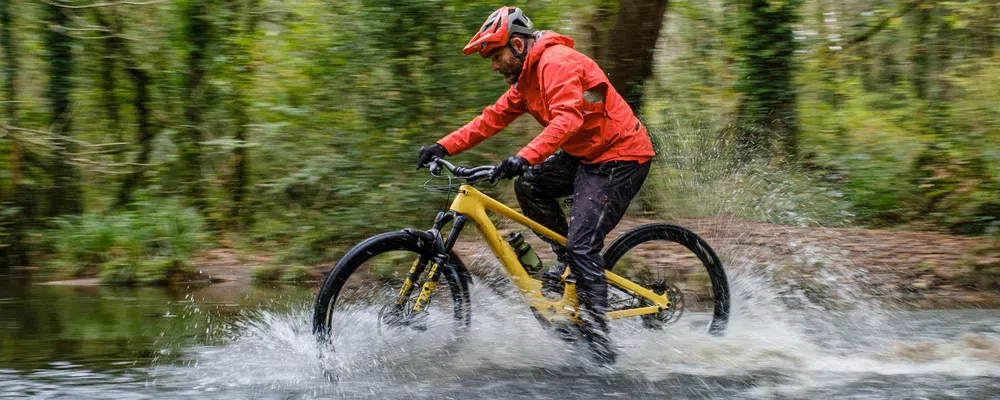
x=237 y=342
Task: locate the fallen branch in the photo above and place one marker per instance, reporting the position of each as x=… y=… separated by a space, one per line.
x=27 y=140
x=53 y=137
x=17 y=128
x=98 y=152
x=84 y=161
x=88 y=144
x=107 y=172
x=84 y=29
x=96 y=5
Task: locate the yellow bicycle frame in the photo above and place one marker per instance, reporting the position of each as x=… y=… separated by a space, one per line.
x=473 y=204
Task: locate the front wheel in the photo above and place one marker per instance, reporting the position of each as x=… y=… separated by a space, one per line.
x=361 y=295
x=670 y=259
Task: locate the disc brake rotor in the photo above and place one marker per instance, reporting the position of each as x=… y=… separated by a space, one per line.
x=669 y=315
x=393 y=315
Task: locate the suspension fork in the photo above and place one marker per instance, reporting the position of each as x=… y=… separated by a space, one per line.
x=442 y=250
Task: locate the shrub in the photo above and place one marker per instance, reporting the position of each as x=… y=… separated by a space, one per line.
x=147 y=245
x=266 y=273
x=157 y=271
x=121 y=272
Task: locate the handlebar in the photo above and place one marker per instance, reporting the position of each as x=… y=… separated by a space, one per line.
x=471 y=175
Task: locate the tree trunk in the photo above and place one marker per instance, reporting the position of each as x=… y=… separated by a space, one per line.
x=109 y=63
x=241 y=39
x=768 y=112
x=141 y=81
x=197 y=34
x=832 y=70
x=12 y=250
x=64 y=195
x=625 y=53
x=921 y=57
x=140 y=102
x=993 y=37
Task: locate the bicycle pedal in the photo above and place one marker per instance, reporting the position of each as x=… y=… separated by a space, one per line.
x=552 y=286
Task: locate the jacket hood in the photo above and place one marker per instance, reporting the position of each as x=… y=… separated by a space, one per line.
x=544 y=40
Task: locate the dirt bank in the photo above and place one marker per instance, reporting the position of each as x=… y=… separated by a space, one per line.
x=830 y=267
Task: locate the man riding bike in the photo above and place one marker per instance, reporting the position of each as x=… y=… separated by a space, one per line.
x=604 y=157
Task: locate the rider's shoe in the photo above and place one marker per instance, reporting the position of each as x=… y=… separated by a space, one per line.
x=601 y=348
x=603 y=351
x=597 y=333
x=568 y=333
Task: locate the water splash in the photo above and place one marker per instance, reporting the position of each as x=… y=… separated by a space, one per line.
x=778 y=350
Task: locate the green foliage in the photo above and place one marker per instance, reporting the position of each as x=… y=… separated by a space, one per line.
x=87 y=241
x=156 y=271
x=385 y=270
x=145 y=245
x=307 y=115
x=392 y=267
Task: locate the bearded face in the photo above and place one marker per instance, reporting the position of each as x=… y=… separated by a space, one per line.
x=505 y=63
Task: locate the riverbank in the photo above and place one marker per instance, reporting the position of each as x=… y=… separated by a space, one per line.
x=828 y=267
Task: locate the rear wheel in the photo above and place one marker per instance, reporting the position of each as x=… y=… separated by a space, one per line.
x=670 y=259
x=361 y=295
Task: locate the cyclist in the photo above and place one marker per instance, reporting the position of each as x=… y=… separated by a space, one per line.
x=592 y=147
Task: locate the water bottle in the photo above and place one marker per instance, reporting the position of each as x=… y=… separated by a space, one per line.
x=529 y=260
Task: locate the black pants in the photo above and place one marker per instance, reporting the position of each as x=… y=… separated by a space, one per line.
x=601 y=195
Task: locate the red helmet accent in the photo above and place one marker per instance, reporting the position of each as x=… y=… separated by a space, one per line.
x=497 y=30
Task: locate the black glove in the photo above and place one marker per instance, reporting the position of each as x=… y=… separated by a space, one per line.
x=510 y=168
x=427 y=154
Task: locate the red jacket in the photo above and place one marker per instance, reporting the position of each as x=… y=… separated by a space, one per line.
x=551 y=88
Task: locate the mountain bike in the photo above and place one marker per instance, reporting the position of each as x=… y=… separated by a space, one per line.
x=399 y=273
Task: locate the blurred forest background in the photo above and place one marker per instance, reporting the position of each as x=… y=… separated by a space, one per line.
x=135 y=133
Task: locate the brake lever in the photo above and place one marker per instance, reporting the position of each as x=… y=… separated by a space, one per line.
x=493 y=180
x=434 y=167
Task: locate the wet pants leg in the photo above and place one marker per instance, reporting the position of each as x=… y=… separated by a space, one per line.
x=601 y=195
